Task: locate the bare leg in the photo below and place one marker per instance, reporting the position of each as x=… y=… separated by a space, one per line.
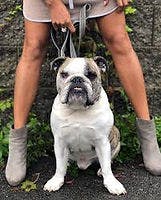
x=112 y=28
x=28 y=70
x=129 y=70
x=27 y=77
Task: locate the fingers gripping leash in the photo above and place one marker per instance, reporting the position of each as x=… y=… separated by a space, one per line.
x=66 y=34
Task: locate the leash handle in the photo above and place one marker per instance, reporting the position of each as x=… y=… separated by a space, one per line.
x=68 y=36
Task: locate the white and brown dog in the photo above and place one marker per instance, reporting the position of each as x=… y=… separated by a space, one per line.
x=81 y=122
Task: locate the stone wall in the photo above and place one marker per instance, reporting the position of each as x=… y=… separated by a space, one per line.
x=146 y=39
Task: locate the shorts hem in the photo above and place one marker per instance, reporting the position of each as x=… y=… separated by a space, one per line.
x=36 y=20
x=74 y=20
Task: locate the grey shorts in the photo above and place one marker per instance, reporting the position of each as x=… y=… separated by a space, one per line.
x=37 y=11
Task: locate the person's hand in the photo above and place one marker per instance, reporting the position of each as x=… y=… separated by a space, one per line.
x=121 y=3
x=60 y=16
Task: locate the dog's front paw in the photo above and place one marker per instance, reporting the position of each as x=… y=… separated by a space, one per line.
x=54 y=184
x=114 y=186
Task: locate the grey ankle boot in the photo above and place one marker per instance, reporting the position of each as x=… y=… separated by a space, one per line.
x=16 y=164
x=150 y=150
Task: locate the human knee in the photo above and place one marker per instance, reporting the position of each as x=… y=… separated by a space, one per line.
x=118 y=43
x=33 y=49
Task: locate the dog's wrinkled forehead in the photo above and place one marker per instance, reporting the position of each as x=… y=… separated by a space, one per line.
x=79 y=66
x=74 y=66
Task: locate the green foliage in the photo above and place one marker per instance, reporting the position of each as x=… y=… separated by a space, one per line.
x=4 y=141
x=2 y=90
x=126 y=124
x=39 y=139
x=5 y=105
x=73 y=170
x=128 y=29
x=129 y=10
x=27 y=186
x=129 y=142
x=129 y=108
x=158 y=129
x=13 y=13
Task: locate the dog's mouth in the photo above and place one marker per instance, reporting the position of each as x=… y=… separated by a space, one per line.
x=77 y=90
x=77 y=95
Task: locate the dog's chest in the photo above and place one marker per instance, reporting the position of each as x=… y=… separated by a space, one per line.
x=79 y=137
x=80 y=142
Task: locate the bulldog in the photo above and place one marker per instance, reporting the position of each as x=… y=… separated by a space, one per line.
x=81 y=122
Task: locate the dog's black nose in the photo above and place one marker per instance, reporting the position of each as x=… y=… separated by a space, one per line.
x=77 y=80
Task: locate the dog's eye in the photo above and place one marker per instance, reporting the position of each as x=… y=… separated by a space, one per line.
x=91 y=75
x=64 y=74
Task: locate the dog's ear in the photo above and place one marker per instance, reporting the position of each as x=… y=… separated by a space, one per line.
x=56 y=63
x=101 y=63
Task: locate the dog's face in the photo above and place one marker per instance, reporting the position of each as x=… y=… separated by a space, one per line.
x=79 y=81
